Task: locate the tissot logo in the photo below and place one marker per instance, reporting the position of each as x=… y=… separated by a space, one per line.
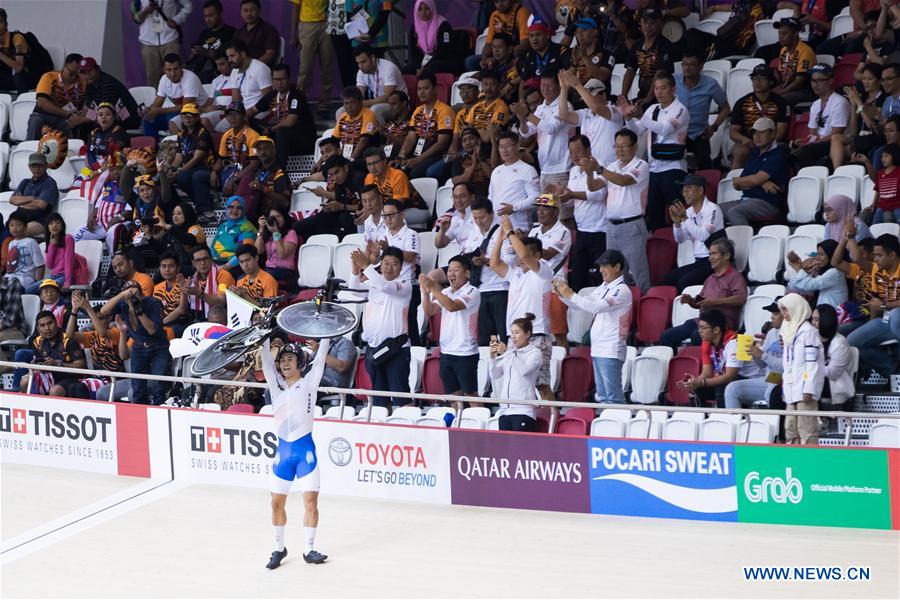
x=242 y=442
x=54 y=424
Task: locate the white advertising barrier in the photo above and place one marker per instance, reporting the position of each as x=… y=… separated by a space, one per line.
x=356 y=459
x=100 y=437
x=55 y=433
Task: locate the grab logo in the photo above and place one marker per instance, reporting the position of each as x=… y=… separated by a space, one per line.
x=780 y=491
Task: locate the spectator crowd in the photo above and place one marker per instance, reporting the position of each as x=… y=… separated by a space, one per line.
x=627 y=168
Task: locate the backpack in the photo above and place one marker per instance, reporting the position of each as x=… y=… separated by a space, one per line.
x=37 y=61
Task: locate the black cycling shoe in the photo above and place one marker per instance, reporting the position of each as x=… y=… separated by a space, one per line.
x=315 y=558
x=276 y=559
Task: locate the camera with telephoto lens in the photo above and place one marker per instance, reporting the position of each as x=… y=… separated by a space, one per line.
x=136 y=306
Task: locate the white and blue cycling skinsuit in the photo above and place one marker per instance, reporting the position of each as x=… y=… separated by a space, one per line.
x=293 y=409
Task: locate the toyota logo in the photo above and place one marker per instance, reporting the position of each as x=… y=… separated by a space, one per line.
x=340 y=452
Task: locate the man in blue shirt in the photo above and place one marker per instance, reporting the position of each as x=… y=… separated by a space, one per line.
x=140 y=317
x=36 y=198
x=763 y=181
x=696 y=91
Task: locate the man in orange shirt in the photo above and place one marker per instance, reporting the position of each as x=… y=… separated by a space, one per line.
x=432 y=130
x=391 y=182
x=123 y=268
x=509 y=17
x=208 y=284
x=60 y=100
x=795 y=60
x=256 y=283
x=235 y=151
x=356 y=125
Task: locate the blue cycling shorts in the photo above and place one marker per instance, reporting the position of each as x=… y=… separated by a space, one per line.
x=295 y=460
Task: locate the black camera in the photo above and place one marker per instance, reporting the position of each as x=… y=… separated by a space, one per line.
x=270 y=221
x=136 y=306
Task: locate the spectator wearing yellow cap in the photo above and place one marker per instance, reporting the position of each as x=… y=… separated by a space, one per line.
x=194 y=161
x=264 y=184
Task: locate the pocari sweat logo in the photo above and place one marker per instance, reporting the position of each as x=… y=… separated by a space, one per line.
x=663 y=479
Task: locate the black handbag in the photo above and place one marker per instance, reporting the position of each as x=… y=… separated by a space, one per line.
x=384 y=351
x=664 y=151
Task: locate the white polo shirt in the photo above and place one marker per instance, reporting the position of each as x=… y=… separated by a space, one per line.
x=699 y=226
x=460 y=228
x=601 y=132
x=386 y=73
x=625 y=201
x=373 y=232
x=558 y=238
x=836 y=113
x=516 y=184
x=529 y=292
x=490 y=281
x=552 y=137
x=590 y=214
x=252 y=81
x=386 y=311
x=459 y=329
x=188 y=87
x=407 y=240
x=610 y=303
x=667 y=125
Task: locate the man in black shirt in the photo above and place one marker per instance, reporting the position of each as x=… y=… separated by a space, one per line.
x=652 y=54
x=542 y=55
x=103 y=87
x=52 y=347
x=285 y=116
x=211 y=40
x=340 y=200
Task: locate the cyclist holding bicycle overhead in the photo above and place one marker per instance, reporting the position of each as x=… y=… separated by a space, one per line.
x=293 y=385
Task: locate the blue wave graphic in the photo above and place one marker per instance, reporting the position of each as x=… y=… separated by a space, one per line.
x=713 y=501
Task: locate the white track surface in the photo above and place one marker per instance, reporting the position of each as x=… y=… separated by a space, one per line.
x=207 y=541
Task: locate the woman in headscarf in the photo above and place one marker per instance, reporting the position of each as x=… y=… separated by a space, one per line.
x=233 y=232
x=184 y=222
x=430 y=42
x=804 y=369
x=836 y=211
x=816 y=274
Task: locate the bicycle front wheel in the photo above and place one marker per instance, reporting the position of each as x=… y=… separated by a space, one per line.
x=303 y=320
x=227 y=349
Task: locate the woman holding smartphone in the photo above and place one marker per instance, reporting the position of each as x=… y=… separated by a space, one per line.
x=514 y=371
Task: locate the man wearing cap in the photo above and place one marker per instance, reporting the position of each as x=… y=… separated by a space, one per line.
x=666 y=125
x=264 y=185
x=542 y=55
x=195 y=158
x=285 y=116
x=829 y=116
x=473 y=165
x=795 y=60
x=469 y=88
x=36 y=197
x=589 y=59
x=698 y=91
x=767 y=354
x=509 y=17
x=652 y=54
x=514 y=183
x=556 y=242
x=101 y=87
x=250 y=78
x=59 y=100
x=695 y=220
x=377 y=79
x=763 y=182
x=552 y=135
x=234 y=152
x=761 y=102
x=178 y=86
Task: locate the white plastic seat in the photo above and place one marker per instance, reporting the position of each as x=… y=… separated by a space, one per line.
x=493 y=424
x=18 y=166
x=682 y=312
x=143 y=94
x=716 y=430
x=738 y=85
x=266 y=410
x=627 y=366
x=753 y=432
x=814 y=230
x=804 y=198
x=407 y=415
x=92 y=251
x=766 y=34
x=326 y=239
x=304 y=200
x=773 y=421
x=867 y=195
x=689 y=416
x=341 y=261
x=643 y=428
x=335 y=413
x=430 y=422
x=444 y=200
x=710 y=26
x=480 y=41
x=427 y=188
x=210 y=406
x=447 y=252
x=770 y=289
x=314 y=265
x=379 y=414
x=427 y=251
x=884 y=435
x=579 y=321
x=846 y=185
x=603 y=427
x=882 y=228
x=19 y=111
x=840 y=25
x=678 y=429
x=470 y=423
x=685 y=253
x=726 y=192
x=765 y=257
x=65 y=174
x=75 y=214
x=648 y=375
x=755 y=314
x=31 y=306
x=354 y=238
x=417 y=355
x=482 y=374
x=782 y=13
x=439 y=412
x=740 y=236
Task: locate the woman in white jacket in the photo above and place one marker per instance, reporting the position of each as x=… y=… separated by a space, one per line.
x=839 y=385
x=804 y=369
x=514 y=370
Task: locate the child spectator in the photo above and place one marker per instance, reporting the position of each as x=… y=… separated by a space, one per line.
x=64 y=266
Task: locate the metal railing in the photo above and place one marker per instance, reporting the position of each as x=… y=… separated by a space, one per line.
x=554 y=405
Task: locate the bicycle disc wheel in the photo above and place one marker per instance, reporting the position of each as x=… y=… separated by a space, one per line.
x=301 y=320
x=226 y=350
